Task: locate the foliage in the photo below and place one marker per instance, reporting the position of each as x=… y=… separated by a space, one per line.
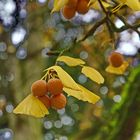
x=38 y=40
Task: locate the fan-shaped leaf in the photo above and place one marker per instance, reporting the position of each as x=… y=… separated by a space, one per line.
x=93 y=74
x=70 y=61
x=133 y=4
x=91 y=97
x=84 y=94
x=117 y=70
x=31 y=106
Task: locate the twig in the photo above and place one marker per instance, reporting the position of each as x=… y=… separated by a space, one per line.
x=123 y=28
x=107 y=21
x=103 y=7
x=53 y=53
x=111 y=26
x=59 y=53
x=127 y=24
x=93 y=29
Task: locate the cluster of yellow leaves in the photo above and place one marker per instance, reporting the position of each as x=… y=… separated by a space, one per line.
x=32 y=106
x=70 y=86
x=90 y=72
x=133 y=4
x=74 y=89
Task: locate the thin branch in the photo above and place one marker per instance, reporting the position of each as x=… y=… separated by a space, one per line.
x=53 y=53
x=103 y=7
x=127 y=24
x=93 y=29
x=110 y=25
x=114 y=28
x=107 y=21
x=59 y=53
x=123 y=28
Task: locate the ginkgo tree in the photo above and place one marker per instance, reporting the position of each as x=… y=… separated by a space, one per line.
x=69 y=8
x=64 y=47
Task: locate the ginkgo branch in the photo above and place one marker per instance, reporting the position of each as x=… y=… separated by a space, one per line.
x=51 y=53
x=93 y=29
x=107 y=21
x=110 y=24
x=59 y=53
x=123 y=28
x=127 y=24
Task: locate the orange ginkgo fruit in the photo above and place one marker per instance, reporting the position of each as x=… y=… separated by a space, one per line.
x=82 y=7
x=45 y=100
x=116 y=59
x=38 y=88
x=58 y=101
x=55 y=86
x=72 y=3
x=68 y=12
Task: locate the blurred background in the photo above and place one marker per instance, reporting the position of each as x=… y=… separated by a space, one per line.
x=30 y=39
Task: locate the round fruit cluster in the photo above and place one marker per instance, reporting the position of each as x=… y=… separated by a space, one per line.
x=116 y=59
x=73 y=6
x=50 y=94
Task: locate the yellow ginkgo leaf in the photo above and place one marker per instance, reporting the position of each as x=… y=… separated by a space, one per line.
x=93 y=74
x=91 y=2
x=31 y=106
x=75 y=93
x=65 y=78
x=96 y=5
x=70 y=61
x=84 y=94
x=91 y=97
x=122 y=1
x=58 y=4
x=133 y=4
x=118 y=70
